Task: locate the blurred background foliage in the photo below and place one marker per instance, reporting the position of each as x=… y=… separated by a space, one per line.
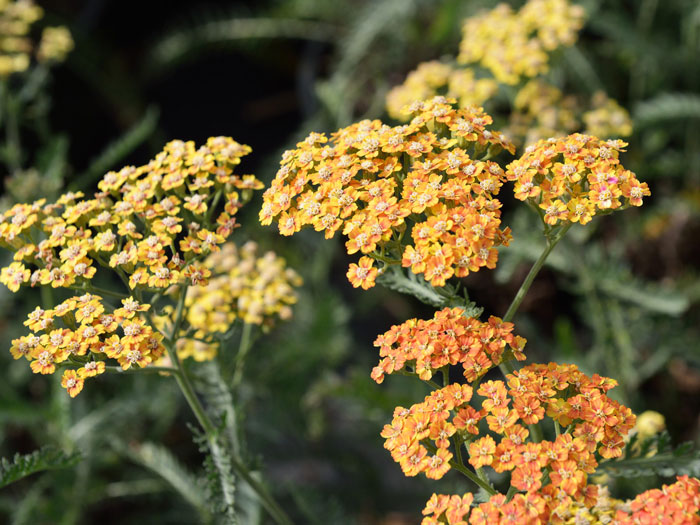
x=619 y=298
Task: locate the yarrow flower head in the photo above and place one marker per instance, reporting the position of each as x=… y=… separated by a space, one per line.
x=234 y=284
x=16 y=20
x=513 y=45
x=149 y=224
x=677 y=503
x=573 y=178
x=83 y=334
x=594 y=427
x=152 y=226
x=377 y=183
x=450 y=338
x=436 y=78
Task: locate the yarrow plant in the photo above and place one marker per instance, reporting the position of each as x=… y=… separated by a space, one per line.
x=160 y=230
x=430 y=179
x=16 y=20
x=433 y=210
x=502 y=49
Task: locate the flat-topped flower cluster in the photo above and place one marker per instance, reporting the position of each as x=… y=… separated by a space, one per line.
x=152 y=226
x=147 y=223
x=675 y=504
x=83 y=332
x=374 y=183
x=503 y=49
x=449 y=338
x=244 y=285
x=573 y=178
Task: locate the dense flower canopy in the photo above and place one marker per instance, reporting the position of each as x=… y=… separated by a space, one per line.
x=375 y=183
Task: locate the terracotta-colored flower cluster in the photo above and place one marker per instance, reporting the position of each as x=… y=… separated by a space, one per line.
x=375 y=183
x=82 y=332
x=676 y=504
x=244 y=285
x=437 y=78
x=512 y=44
x=593 y=426
x=450 y=338
x=149 y=224
x=573 y=178
x=16 y=19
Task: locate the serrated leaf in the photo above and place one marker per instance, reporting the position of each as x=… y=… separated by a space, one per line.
x=46 y=458
x=395 y=279
x=665 y=461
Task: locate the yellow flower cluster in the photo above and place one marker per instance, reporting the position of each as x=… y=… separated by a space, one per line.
x=150 y=224
x=572 y=178
x=16 y=19
x=436 y=78
x=245 y=285
x=514 y=48
x=88 y=334
x=607 y=118
x=513 y=45
x=376 y=183
x=55 y=44
x=542 y=111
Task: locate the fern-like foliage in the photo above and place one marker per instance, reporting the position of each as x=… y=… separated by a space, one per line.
x=447 y=296
x=654 y=456
x=220 y=480
x=161 y=461
x=46 y=458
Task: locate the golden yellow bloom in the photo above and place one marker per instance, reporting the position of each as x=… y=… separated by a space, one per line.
x=373 y=182
x=56 y=43
x=234 y=284
x=515 y=45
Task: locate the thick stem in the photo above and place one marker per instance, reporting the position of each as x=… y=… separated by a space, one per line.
x=464 y=470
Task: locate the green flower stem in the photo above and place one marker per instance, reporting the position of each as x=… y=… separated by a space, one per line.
x=507 y=367
x=243 y=348
x=205 y=422
x=464 y=470
x=551 y=243
x=101 y=291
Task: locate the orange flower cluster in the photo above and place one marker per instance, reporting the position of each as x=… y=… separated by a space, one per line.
x=594 y=424
x=573 y=177
x=429 y=420
x=676 y=504
x=150 y=224
x=449 y=338
x=89 y=336
x=373 y=181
